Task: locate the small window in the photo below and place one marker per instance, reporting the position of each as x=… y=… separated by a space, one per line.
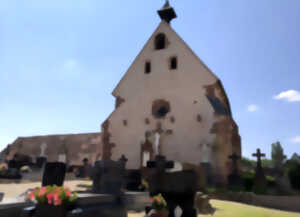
x=160 y=41
x=147 y=67
x=173 y=63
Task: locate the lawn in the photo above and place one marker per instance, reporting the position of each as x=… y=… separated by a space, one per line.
x=232 y=209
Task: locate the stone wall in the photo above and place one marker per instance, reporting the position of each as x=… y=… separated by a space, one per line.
x=287 y=203
x=71 y=148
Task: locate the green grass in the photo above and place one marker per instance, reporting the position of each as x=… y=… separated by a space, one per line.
x=232 y=209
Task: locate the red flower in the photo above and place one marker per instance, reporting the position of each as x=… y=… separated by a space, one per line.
x=68 y=194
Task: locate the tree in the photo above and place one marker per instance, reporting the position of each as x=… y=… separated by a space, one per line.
x=248 y=163
x=278 y=157
x=295 y=158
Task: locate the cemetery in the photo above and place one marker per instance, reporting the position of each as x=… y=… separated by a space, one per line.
x=170 y=151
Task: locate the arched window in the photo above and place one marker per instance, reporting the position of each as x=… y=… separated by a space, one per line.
x=160 y=41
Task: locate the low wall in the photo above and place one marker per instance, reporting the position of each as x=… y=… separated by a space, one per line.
x=287 y=203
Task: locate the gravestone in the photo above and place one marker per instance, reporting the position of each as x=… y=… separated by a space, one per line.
x=260 y=182
x=10 y=173
x=1 y=196
x=54 y=174
x=208 y=173
x=85 y=170
x=108 y=176
x=177 y=188
x=234 y=179
x=19 y=160
x=41 y=161
x=133 y=180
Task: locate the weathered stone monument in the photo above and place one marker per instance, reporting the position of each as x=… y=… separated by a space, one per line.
x=260 y=182
x=108 y=177
x=178 y=188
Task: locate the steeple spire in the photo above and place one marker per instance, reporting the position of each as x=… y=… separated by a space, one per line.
x=167 y=13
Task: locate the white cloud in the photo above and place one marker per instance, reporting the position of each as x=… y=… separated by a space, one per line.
x=70 y=65
x=252 y=108
x=289 y=95
x=71 y=69
x=296 y=139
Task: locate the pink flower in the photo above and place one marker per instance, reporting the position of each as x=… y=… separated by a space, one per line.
x=68 y=194
x=50 y=197
x=42 y=191
x=151 y=200
x=57 y=200
x=31 y=195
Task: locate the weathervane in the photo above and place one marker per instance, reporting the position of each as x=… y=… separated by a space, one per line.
x=167 y=13
x=167 y=4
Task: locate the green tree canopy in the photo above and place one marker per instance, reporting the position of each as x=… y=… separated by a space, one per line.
x=278 y=157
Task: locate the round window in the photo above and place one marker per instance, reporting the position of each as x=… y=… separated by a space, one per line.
x=160 y=108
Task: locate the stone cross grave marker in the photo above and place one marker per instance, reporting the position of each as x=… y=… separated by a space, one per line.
x=260 y=181
x=258 y=155
x=160 y=163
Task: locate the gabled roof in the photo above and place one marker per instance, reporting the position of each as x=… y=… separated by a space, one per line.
x=161 y=26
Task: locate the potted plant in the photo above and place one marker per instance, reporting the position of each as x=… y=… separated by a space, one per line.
x=52 y=201
x=159 y=206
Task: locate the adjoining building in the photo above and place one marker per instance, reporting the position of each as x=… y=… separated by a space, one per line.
x=71 y=148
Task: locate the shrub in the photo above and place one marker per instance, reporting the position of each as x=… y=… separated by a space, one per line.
x=248 y=179
x=294 y=176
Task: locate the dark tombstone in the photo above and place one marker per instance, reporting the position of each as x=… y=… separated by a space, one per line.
x=208 y=173
x=19 y=161
x=178 y=188
x=260 y=181
x=41 y=161
x=234 y=179
x=108 y=176
x=133 y=180
x=1 y=196
x=85 y=170
x=12 y=164
x=10 y=173
x=54 y=174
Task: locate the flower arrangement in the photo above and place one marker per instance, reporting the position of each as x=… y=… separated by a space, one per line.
x=52 y=195
x=158 y=203
x=3 y=167
x=144 y=184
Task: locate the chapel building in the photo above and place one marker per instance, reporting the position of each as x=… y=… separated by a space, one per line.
x=170 y=103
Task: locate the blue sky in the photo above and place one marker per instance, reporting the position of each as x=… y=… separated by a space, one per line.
x=61 y=59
